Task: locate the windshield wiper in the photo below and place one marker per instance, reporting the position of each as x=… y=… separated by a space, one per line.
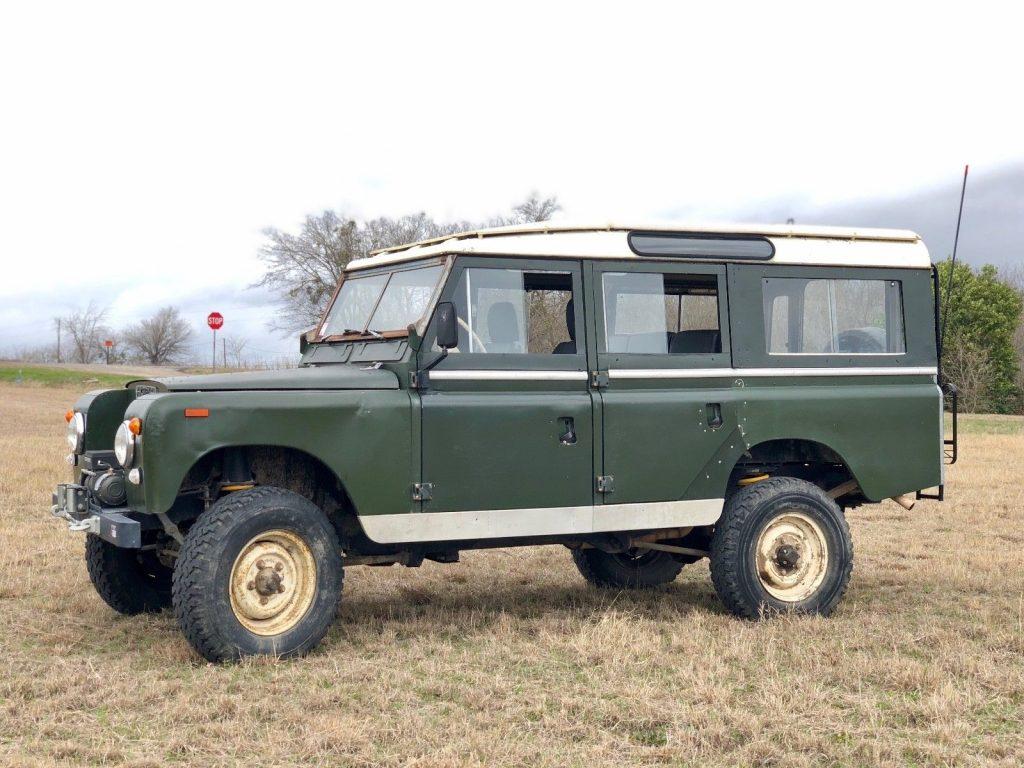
x=361 y=332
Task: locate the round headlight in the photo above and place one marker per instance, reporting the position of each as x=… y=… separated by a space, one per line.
x=124 y=445
x=76 y=432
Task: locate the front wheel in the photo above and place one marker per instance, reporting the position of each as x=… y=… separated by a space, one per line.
x=781 y=545
x=259 y=573
x=130 y=581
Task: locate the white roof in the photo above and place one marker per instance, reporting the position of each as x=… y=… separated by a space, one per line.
x=794 y=244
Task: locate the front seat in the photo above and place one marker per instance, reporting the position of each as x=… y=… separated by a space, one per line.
x=503 y=328
x=568 y=347
x=696 y=342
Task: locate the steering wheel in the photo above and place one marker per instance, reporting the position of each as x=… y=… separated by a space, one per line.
x=472 y=333
x=857 y=340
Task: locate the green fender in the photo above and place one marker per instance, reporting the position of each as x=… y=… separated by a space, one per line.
x=363 y=436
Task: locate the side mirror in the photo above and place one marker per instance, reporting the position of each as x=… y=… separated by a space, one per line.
x=447 y=325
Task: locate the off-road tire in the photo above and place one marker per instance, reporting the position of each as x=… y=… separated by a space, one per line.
x=129 y=581
x=202 y=574
x=746 y=515
x=641 y=570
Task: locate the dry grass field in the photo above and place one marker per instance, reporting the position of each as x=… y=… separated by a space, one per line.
x=508 y=658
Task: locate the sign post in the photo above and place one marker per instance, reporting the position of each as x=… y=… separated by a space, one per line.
x=108 y=344
x=215 y=320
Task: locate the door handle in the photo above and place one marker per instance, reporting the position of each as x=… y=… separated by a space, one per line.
x=567 y=431
x=714 y=411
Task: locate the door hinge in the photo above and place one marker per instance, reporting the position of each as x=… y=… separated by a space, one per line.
x=422 y=491
x=605 y=483
x=599 y=379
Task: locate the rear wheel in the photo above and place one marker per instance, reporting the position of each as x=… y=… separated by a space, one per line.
x=259 y=573
x=781 y=545
x=635 y=568
x=130 y=581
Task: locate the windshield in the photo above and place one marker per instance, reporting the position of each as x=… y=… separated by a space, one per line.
x=381 y=302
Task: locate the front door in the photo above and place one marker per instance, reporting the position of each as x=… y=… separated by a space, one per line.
x=666 y=398
x=507 y=418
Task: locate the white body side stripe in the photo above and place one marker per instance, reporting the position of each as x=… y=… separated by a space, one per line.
x=454 y=375
x=681 y=373
x=543 y=521
x=740 y=373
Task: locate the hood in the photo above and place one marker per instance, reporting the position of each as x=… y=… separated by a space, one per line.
x=320 y=377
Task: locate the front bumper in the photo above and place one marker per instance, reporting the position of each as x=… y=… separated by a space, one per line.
x=75 y=504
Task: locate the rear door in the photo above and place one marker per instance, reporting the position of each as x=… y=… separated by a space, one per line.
x=663 y=373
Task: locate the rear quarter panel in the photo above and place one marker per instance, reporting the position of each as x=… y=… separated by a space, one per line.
x=888 y=429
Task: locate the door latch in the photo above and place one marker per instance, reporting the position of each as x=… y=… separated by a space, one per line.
x=714 y=411
x=605 y=483
x=422 y=491
x=567 y=431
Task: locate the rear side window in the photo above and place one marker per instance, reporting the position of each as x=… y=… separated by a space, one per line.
x=660 y=313
x=811 y=316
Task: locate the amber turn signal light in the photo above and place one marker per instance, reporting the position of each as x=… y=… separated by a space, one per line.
x=135 y=426
x=197 y=413
x=69 y=415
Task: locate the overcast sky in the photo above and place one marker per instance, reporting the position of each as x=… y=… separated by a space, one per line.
x=143 y=147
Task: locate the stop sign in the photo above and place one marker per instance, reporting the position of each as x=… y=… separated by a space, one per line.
x=215 y=320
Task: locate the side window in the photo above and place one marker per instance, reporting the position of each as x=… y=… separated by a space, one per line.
x=512 y=311
x=831 y=316
x=660 y=313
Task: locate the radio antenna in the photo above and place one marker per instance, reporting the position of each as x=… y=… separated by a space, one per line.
x=952 y=262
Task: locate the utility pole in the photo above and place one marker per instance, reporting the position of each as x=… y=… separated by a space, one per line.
x=224 y=346
x=58 y=339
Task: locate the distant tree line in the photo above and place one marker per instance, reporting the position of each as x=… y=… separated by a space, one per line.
x=160 y=339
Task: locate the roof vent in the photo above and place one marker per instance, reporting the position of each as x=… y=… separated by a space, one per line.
x=701 y=246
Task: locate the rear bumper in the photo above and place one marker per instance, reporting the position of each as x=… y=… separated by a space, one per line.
x=75 y=504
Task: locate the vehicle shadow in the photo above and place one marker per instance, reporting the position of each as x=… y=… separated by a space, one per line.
x=435 y=606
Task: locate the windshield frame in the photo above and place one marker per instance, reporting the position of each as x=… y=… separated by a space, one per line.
x=445 y=262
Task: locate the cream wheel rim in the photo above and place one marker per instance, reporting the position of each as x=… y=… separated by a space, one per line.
x=273 y=582
x=792 y=557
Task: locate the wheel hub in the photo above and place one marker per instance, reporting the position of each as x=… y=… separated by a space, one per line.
x=273 y=582
x=787 y=557
x=792 y=556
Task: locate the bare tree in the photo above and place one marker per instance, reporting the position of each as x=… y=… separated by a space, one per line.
x=304 y=268
x=85 y=332
x=235 y=347
x=160 y=339
x=535 y=208
x=970 y=368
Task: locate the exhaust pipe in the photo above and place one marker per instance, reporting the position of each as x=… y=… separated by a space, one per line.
x=906 y=500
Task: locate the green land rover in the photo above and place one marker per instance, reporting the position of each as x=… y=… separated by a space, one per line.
x=643 y=397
